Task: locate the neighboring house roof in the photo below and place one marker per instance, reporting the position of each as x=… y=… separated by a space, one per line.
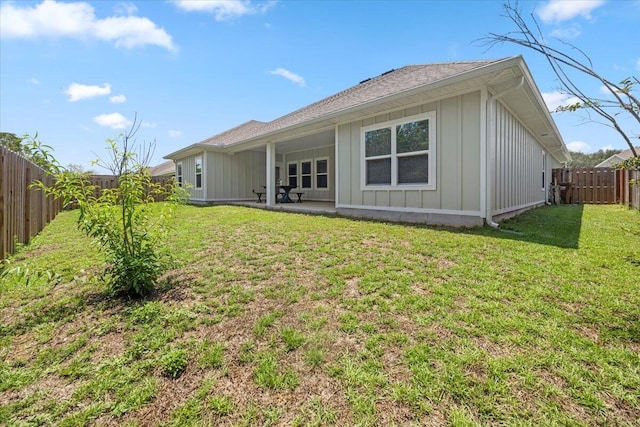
x=238 y=133
x=616 y=158
x=165 y=168
x=391 y=90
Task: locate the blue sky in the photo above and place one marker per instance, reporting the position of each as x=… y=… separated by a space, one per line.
x=77 y=72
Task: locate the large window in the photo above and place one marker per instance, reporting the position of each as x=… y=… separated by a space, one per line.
x=322 y=174
x=305 y=174
x=179 y=173
x=292 y=173
x=199 y=172
x=400 y=152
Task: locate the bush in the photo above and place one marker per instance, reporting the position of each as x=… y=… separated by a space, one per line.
x=125 y=221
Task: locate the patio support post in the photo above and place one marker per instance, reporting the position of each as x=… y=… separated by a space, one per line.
x=271 y=174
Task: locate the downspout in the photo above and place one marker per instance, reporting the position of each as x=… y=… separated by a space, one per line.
x=491 y=119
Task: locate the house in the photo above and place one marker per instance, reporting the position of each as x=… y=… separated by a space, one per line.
x=165 y=169
x=457 y=143
x=612 y=161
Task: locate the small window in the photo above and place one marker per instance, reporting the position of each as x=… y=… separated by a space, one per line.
x=305 y=174
x=292 y=173
x=179 y=173
x=322 y=174
x=199 y=172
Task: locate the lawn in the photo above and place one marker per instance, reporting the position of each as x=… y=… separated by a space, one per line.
x=271 y=318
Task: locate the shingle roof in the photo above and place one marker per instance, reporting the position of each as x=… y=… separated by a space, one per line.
x=386 y=84
x=238 y=133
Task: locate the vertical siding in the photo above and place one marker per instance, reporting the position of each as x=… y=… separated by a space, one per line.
x=189 y=176
x=457 y=160
x=234 y=176
x=518 y=163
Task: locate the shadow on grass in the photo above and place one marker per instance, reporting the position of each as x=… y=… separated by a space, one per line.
x=550 y=225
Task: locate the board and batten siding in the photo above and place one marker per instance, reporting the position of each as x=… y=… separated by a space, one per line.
x=517 y=166
x=233 y=176
x=325 y=152
x=189 y=176
x=457 y=186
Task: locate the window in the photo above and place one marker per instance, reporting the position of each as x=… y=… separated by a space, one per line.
x=305 y=174
x=292 y=173
x=199 y=172
x=179 y=173
x=544 y=170
x=322 y=174
x=400 y=152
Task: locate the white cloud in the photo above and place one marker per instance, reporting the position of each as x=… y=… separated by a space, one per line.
x=148 y=125
x=33 y=81
x=77 y=91
x=557 y=99
x=579 y=146
x=555 y=11
x=117 y=99
x=113 y=121
x=295 y=78
x=638 y=64
x=568 y=33
x=124 y=8
x=78 y=20
x=224 y=9
x=175 y=133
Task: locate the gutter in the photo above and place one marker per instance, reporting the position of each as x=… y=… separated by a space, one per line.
x=489 y=159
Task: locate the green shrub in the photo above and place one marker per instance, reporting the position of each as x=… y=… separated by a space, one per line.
x=125 y=221
x=174 y=363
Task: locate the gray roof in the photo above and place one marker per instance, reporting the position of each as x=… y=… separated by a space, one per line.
x=393 y=90
x=164 y=168
x=388 y=83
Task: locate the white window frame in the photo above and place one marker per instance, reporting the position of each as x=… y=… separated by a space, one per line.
x=310 y=174
x=198 y=159
x=544 y=171
x=297 y=175
x=392 y=124
x=316 y=174
x=179 y=173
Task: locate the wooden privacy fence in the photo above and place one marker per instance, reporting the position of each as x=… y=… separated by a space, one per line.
x=24 y=212
x=598 y=186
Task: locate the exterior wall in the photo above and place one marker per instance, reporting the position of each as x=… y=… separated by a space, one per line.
x=458 y=160
x=517 y=166
x=318 y=153
x=189 y=176
x=233 y=176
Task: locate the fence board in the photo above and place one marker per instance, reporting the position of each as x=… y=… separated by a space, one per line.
x=598 y=186
x=24 y=212
x=111 y=181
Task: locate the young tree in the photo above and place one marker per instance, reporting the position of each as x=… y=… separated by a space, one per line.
x=569 y=61
x=129 y=227
x=11 y=141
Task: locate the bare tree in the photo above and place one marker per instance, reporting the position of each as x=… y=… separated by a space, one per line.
x=566 y=63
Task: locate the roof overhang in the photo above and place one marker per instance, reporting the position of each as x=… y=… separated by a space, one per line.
x=526 y=102
x=191 y=150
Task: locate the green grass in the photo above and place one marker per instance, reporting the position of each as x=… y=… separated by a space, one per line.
x=283 y=319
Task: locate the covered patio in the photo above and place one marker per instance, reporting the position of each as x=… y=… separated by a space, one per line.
x=310 y=207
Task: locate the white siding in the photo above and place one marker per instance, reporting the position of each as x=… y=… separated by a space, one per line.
x=457 y=163
x=233 y=176
x=189 y=176
x=518 y=162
